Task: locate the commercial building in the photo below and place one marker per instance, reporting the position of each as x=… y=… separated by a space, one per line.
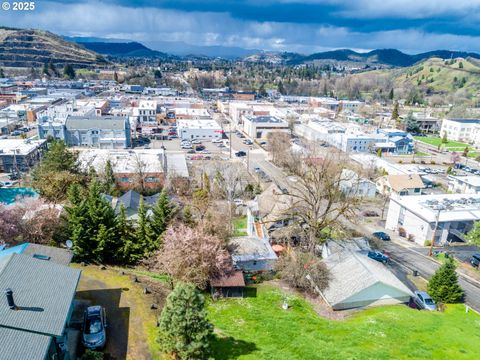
x=258 y=127
x=18 y=155
x=100 y=132
x=145 y=168
x=199 y=129
x=452 y=215
x=459 y=129
x=464 y=184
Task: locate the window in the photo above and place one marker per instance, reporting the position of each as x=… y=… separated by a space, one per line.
x=124 y=180
x=41 y=257
x=152 y=179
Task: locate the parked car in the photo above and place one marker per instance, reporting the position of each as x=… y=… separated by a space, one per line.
x=199 y=148
x=424 y=301
x=378 y=256
x=381 y=235
x=475 y=260
x=94 y=334
x=191 y=151
x=238 y=202
x=196 y=142
x=16 y=133
x=256 y=169
x=248 y=142
x=370 y=213
x=172 y=133
x=186 y=146
x=240 y=153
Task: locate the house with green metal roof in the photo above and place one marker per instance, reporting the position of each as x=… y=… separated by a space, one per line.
x=37 y=305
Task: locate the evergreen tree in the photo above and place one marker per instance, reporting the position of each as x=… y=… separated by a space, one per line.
x=261 y=91
x=69 y=72
x=115 y=76
x=45 y=69
x=162 y=213
x=391 y=94
x=395 y=113
x=52 y=68
x=188 y=217
x=411 y=123
x=109 y=183
x=281 y=89
x=143 y=230
x=92 y=225
x=2 y=74
x=443 y=286
x=131 y=252
x=465 y=151
x=185 y=332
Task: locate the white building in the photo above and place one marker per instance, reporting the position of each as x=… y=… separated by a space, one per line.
x=199 y=129
x=464 y=184
x=353 y=185
x=417 y=215
x=258 y=127
x=145 y=113
x=460 y=129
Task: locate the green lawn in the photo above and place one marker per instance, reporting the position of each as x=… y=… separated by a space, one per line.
x=240 y=226
x=435 y=141
x=258 y=328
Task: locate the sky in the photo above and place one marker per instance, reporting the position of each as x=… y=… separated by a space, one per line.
x=304 y=26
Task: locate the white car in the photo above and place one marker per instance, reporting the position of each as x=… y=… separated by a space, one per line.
x=216 y=141
x=238 y=202
x=196 y=142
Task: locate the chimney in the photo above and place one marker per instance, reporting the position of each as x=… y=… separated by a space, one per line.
x=11 y=303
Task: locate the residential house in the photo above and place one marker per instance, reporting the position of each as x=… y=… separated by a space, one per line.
x=358 y=281
x=400 y=185
x=398 y=141
x=352 y=184
x=131 y=203
x=37 y=307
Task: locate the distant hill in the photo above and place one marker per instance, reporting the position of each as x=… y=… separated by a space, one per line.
x=390 y=57
x=33 y=48
x=128 y=49
x=440 y=76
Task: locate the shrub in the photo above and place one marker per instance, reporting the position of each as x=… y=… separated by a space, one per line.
x=411 y=237
x=91 y=355
x=400 y=161
x=443 y=286
x=413 y=162
x=432 y=162
x=295 y=265
x=427 y=243
x=402 y=232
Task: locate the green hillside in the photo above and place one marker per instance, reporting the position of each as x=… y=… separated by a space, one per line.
x=442 y=76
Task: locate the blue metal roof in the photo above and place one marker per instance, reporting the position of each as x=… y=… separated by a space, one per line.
x=19 y=249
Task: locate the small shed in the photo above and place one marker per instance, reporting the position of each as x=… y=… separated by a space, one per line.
x=231 y=285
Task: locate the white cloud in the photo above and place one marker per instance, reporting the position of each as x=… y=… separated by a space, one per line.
x=151 y=25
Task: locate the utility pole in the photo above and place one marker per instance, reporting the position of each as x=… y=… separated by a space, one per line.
x=430 y=252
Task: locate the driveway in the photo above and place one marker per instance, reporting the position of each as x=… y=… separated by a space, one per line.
x=131 y=322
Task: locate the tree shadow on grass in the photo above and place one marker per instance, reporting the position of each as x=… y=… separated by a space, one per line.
x=230 y=348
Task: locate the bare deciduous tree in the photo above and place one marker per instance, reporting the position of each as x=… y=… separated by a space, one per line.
x=278 y=146
x=317 y=201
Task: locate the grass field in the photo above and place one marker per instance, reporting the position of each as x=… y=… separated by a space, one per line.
x=435 y=141
x=240 y=226
x=258 y=328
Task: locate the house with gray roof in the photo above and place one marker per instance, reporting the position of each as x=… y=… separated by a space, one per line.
x=358 y=281
x=37 y=307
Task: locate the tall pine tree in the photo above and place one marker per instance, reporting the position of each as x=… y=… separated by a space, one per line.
x=143 y=230
x=131 y=251
x=162 y=213
x=185 y=332
x=443 y=286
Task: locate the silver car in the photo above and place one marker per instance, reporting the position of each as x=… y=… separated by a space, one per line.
x=424 y=301
x=94 y=325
